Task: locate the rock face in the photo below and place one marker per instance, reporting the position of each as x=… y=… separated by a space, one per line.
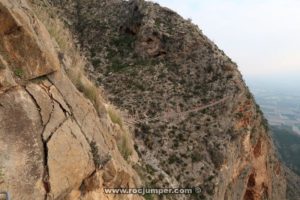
x=22 y=33
x=53 y=144
x=21 y=145
x=197 y=125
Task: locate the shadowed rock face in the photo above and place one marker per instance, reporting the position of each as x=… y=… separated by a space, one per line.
x=196 y=122
x=53 y=144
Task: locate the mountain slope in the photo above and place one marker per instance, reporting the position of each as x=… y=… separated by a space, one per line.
x=196 y=123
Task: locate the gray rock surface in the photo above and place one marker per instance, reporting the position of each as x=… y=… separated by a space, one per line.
x=53 y=144
x=21 y=147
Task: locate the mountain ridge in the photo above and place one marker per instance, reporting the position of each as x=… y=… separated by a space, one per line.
x=153 y=63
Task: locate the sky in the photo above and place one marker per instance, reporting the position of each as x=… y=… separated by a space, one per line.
x=261 y=36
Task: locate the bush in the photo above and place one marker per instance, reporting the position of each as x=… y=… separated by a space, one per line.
x=173 y=158
x=99 y=161
x=19 y=72
x=95 y=153
x=148 y=196
x=217 y=157
x=150 y=169
x=89 y=91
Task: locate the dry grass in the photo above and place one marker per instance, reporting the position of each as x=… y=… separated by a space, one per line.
x=125 y=145
x=55 y=27
x=62 y=36
x=125 y=141
x=115 y=116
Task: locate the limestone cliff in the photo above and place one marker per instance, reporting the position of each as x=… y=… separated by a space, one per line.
x=53 y=142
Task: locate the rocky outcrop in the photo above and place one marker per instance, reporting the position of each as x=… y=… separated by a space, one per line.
x=196 y=123
x=53 y=144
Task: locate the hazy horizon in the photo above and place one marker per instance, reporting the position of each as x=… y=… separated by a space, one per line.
x=262 y=37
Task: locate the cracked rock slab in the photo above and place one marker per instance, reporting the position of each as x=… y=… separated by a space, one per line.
x=83 y=111
x=69 y=159
x=57 y=97
x=56 y=120
x=42 y=99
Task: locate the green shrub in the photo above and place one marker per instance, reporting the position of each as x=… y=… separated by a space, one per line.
x=19 y=72
x=217 y=157
x=148 y=196
x=173 y=158
x=150 y=169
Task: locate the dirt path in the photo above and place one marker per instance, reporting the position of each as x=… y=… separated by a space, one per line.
x=179 y=114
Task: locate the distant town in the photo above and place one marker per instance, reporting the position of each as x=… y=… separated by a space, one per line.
x=281 y=107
